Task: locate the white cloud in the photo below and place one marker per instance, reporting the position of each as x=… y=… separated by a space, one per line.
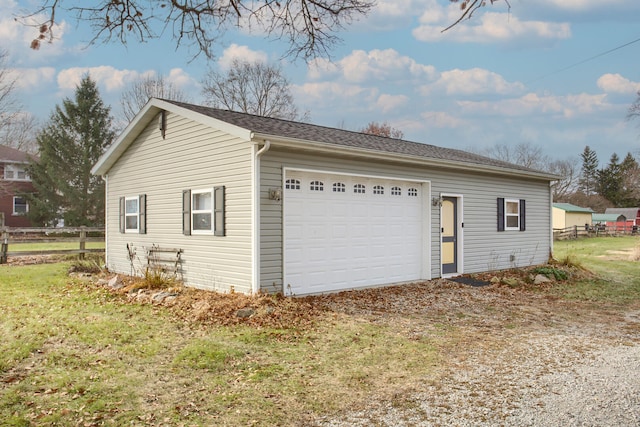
x=334 y=93
x=471 y=82
x=387 y=103
x=180 y=78
x=391 y=14
x=321 y=67
x=377 y=65
x=615 y=83
x=242 y=53
x=533 y=104
x=441 y=119
x=31 y=78
x=107 y=77
x=489 y=27
x=582 y=5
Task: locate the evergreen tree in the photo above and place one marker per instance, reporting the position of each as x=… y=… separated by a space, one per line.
x=609 y=183
x=589 y=173
x=76 y=135
x=630 y=182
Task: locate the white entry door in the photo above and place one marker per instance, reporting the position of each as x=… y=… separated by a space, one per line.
x=343 y=232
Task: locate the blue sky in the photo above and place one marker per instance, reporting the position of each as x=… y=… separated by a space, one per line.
x=534 y=74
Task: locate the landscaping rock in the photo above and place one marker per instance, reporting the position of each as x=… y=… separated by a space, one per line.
x=510 y=281
x=115 y=282
x=245 y=313
x=540 y=279
x=162 y=296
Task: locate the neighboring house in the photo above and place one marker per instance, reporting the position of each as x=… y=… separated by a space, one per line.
x=631 y=214
x=15 y=182
x=265 y=205
x=566 y=215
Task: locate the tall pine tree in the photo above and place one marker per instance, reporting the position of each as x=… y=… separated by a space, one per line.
x=609 y=183
x=75 y=137
x=589 y=171
x=630 y=176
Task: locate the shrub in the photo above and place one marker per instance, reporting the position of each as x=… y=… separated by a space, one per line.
x=551 y=272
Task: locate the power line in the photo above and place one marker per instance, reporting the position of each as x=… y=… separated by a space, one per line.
x=583 y=61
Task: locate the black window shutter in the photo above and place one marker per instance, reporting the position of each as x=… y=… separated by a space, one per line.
x=142 y=216
x=121 y=219
x=500 y=213
x=186 y=212
x=218 y=211
x=522 y=215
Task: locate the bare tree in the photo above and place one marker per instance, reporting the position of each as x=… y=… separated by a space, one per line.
x=523 y=154
x=20 y=132
x=138 y=93
x=8 y=104
x=254 y=88
x=566 y=186
x=634 y=110
x=383 y=129
x=309 y=26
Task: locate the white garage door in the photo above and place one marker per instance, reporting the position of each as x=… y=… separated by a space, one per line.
x=346 y=232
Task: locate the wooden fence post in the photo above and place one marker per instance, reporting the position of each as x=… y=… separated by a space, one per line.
x=5 y=246
x=83 y=240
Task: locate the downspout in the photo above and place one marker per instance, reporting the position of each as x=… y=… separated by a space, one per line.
x=551 y=183
x=106 y=220
x=256 y=216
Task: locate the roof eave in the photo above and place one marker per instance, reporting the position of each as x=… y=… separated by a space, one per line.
x=405 y=158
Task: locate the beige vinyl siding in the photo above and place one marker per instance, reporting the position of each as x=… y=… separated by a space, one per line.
x=484 y=247
x=192 y=157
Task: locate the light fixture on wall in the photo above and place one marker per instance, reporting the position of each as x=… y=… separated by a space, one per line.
x=275 y=194
x=436 y=201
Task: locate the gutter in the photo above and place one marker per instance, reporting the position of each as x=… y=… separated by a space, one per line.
x=405 y=158
x=255 y=213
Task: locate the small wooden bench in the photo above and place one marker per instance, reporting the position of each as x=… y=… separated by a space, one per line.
x=166 y=260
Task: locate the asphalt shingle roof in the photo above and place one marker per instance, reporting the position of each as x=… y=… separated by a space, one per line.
x=8 y=154
x=309 y=132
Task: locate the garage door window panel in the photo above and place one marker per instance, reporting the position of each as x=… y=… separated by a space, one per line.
x=292 y=184
x=316 y=186
x=359 y=189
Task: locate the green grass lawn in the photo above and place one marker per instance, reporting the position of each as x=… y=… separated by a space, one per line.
x=71 y=354
x=616 y=261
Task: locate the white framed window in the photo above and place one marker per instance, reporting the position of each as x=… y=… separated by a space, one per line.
x=20 y=206
x=359 y=189
x=378 y=189
x=16 y=173
x=396 y=191
x=412 y=192
x=133 y=214
x=203 y=211
x=511 y=214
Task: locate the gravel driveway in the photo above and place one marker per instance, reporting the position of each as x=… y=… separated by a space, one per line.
x=524 y=360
